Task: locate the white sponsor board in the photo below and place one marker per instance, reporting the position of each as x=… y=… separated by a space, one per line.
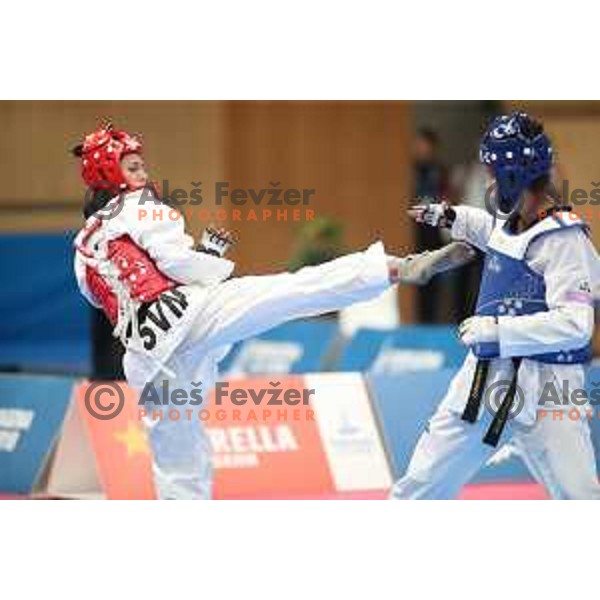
x=349 y=432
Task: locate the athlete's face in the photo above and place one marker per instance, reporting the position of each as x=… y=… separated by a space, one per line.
x=134 y=171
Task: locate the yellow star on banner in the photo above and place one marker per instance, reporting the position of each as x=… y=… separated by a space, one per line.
x=134 y=438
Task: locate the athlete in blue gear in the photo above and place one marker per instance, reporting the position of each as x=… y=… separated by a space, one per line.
x=530 y=333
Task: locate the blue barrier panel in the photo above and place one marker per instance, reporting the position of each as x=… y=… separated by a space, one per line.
x=295 y=347
x=404 y=404
x=593 y=384
x=408 y=348
x=46 y=323
x=32 y=410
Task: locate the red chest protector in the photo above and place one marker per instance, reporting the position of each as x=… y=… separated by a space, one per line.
x=131 y=269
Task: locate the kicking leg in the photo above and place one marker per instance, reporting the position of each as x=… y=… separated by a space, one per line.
x=247 y=306
x=241 y=308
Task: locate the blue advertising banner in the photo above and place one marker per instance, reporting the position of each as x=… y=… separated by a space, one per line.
x=296 y=347
x=410 y=348
x=46 y=321
x=32 y=410
x=593 y=391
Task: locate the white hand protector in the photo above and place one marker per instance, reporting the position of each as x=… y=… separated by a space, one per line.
x=478 y=330
x=434 y=215
x=216 y=241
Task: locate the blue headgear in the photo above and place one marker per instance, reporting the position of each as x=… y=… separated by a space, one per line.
x=518 y=152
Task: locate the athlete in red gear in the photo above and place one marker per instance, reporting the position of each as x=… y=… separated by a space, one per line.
x=176 y=309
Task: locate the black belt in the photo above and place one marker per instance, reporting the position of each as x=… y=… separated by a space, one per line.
x=492 y=436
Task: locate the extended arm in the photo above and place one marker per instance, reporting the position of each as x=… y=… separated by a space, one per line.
x=466 y=223
x=469 y=226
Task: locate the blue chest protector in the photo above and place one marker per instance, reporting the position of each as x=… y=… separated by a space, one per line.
x=509 y=287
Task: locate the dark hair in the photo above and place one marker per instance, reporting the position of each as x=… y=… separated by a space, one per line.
x=539 y=185
x=430 y=135
x=530 y=127
x=77 y=151
x=97 y=201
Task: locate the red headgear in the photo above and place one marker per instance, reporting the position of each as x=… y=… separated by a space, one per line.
x=101 y=155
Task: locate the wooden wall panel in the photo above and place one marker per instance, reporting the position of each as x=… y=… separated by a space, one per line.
x=182 y=141
x=354 y=154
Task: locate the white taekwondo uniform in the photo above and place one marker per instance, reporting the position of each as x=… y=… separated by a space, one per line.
x=556 y=448
x=218 y=312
